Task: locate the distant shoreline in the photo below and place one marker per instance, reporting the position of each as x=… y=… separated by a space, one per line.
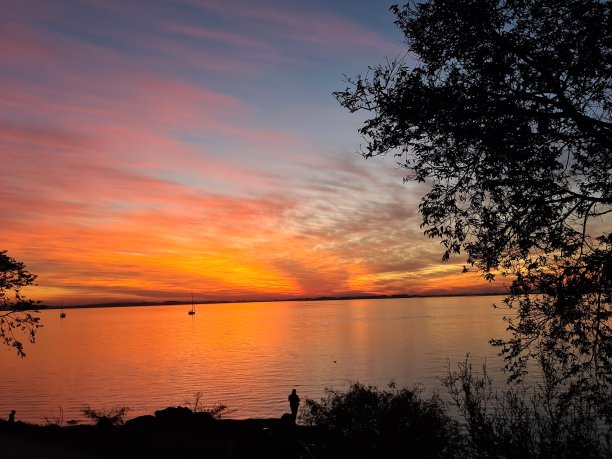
x=120 y=304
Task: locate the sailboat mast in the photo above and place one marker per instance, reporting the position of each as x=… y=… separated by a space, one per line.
x=192 y=311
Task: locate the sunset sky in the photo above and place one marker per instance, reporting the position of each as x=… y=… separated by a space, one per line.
x=152 y=148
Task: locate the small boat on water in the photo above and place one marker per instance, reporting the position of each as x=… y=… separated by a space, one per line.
x=192 y=311
x=62 y=313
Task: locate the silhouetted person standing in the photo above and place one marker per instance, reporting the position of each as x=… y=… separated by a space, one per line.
x=294 y=403
x=11 y=418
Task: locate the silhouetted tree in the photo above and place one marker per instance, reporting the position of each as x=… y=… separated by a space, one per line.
x=16 y=315
x=504 y=108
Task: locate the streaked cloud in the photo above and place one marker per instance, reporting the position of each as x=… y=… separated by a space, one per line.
x=150 y=149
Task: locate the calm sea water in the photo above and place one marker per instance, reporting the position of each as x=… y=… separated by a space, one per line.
x=248 y=356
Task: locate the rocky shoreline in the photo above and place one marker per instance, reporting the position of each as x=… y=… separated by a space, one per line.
x=175 y=432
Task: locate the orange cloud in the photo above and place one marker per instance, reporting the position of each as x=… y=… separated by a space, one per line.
x=145 y=156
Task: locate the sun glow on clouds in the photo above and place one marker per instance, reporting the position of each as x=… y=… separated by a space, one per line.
x=153 y=149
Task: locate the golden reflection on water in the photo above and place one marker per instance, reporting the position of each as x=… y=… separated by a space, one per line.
x=248 y=356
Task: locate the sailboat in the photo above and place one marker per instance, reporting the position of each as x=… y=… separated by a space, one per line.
x=62 y=313
x=192 y=310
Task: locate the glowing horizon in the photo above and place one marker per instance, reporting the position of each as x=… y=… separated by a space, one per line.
x=151 y=150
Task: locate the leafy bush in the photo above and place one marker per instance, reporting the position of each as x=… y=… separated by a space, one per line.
x=56 y=419
x=369 y=422
x=107 y=417
x=550 y=420
x=543 y=422
x=217 y=411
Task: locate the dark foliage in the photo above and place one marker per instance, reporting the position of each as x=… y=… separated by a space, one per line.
x=217 y=410
x=16 y=312
x=107 y=417
x=524 y=423
x=368 y=422
x=505 y=109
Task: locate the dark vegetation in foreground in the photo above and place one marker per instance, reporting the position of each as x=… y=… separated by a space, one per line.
x=368 y=422
x=362 y=422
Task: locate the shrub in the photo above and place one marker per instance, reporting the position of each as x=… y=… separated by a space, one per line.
x=56 y=419
x=107 y=417
x=217 y=411
x=542 y=422
x=366 y=421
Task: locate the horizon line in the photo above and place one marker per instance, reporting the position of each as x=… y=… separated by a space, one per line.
x=276 y=300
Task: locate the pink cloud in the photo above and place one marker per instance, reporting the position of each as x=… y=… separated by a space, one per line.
x=128 y=175
x=313 y=29
x=216 y=35
x=20 y=46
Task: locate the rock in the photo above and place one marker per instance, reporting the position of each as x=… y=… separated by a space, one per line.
x=179 y=416
x=141 y=422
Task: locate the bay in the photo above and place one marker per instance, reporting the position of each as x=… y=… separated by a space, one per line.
x=247 y=356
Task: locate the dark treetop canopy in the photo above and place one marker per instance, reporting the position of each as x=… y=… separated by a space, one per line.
x=504 y=107
x=16 y=317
